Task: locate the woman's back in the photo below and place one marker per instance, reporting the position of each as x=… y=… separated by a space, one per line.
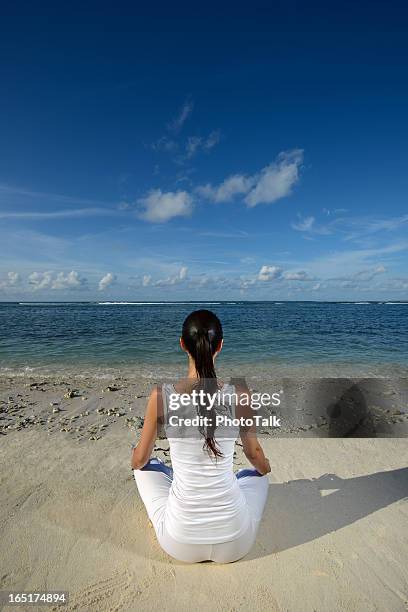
x=205 y=503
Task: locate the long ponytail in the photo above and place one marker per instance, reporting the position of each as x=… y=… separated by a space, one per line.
x=202 y=334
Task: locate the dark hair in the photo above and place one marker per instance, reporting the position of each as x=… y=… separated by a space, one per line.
x=202 y=334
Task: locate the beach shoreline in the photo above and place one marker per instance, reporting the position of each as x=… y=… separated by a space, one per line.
x=88 y=408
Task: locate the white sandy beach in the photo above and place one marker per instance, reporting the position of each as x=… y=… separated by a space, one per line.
x=71 y=519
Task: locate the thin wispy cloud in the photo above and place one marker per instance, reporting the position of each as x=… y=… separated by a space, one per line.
x=195 y=144
x=344 y=264
x=366 y=274
x=184 y=151
x=300 y=275
x=39 y=199
x=333 y=211
x=221 y=234
x=164 y=144
x=58 y=214
x=305 y=224
x=349 y=228
x=364 y=227
x=184 y=113
x=308 y=226
x=10 y=190
x=370 y=274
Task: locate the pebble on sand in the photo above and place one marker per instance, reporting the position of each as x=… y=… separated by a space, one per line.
x=71 y=393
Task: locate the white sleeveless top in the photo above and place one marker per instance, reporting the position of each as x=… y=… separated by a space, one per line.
x=205 y=503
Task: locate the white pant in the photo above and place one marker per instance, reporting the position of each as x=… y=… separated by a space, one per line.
x=154 y=489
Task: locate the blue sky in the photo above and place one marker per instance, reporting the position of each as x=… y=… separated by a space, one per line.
x=258 y=152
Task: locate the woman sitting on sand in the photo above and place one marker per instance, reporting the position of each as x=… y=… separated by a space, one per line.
x=201 y=510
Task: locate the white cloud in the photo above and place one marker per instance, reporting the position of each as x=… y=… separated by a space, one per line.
x=232 y=186
x=276 y=180
x=172 y=280
x=46 y=280
x=176 y=278
x=268 y=273
x=13 y=280
x=106 y=281
x=183 y=273
x=72 y=280
x=380 y=269
x=40 y=280
x=247 y=283
x=280 y=284
x=367 y=275
x=272 y=183
x=159 y=206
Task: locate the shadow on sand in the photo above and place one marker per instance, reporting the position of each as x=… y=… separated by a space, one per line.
x=302 y=510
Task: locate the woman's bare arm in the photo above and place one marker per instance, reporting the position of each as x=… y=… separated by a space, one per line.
x=254 y=453
x=250 y=443
x=142 y=452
